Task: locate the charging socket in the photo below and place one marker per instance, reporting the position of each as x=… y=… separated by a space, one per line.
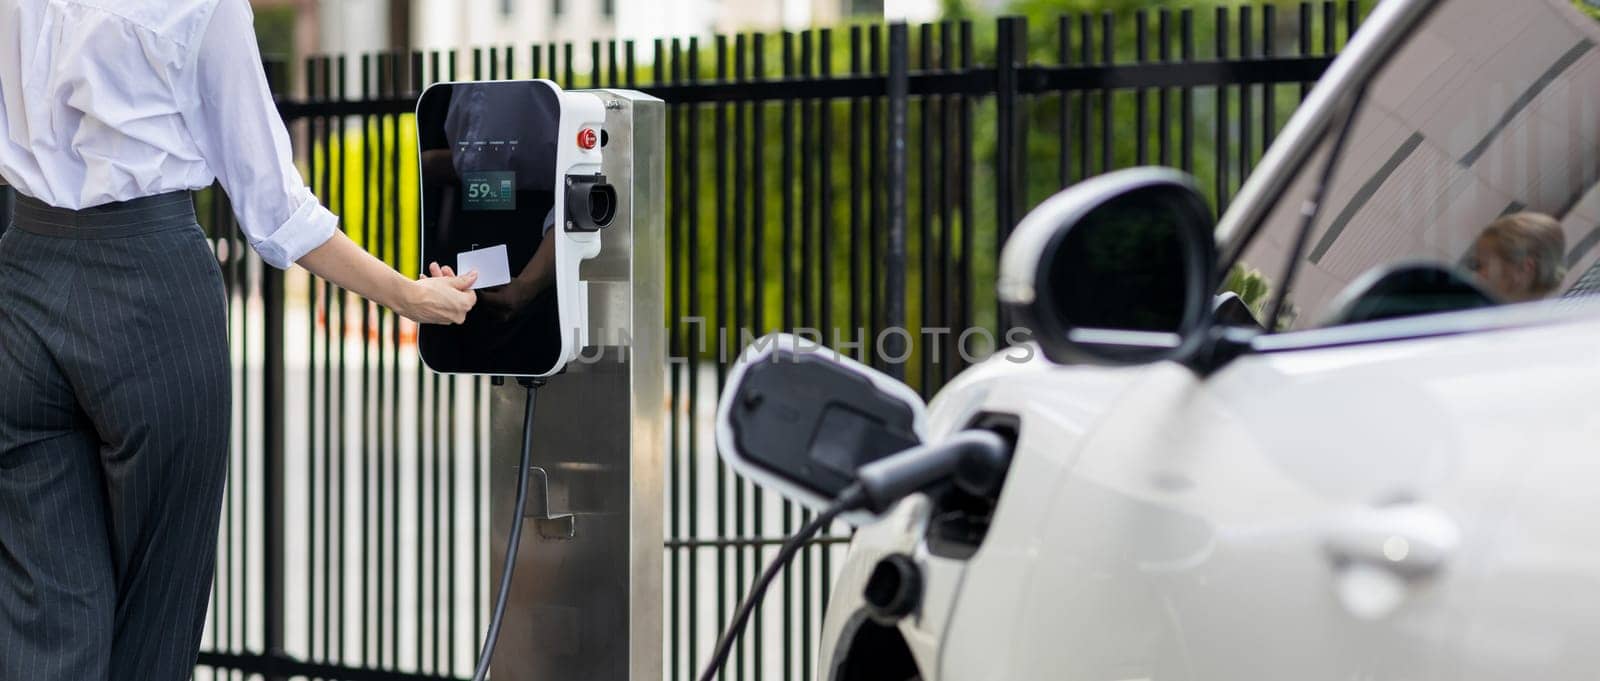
x=591 y=203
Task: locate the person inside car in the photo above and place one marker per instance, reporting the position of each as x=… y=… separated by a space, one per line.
x=1519 y=257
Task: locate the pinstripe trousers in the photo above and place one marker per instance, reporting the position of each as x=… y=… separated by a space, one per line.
x=114 y=421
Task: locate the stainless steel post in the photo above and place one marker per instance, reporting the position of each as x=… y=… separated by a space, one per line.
x=586 y=602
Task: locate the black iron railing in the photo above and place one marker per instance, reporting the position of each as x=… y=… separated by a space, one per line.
x=857 y=182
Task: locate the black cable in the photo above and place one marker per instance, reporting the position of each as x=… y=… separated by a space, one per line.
x=852 y=498
x=514 y=542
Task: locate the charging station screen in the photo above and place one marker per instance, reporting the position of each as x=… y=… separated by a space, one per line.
x=489 y=190
x=488 y=154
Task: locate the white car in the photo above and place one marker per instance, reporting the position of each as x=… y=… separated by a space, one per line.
x=1399 y=480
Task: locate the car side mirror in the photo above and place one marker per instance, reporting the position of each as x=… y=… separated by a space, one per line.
x=1119 y=269
x=800 y=419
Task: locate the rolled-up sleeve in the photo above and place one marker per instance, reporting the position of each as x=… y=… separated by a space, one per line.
x=237 y=128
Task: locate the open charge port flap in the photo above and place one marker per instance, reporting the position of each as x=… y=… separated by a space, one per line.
x=591 y=203
x=964 y=509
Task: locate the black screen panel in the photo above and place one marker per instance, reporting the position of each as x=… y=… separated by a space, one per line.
x=488 y=154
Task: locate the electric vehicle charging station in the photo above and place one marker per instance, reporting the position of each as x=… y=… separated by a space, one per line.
x=559 y=198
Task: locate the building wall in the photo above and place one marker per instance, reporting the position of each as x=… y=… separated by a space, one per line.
x=363 y=26
x=353 y=26
x=446 y=24
x=442 y=24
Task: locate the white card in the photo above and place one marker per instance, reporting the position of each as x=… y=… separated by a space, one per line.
x=491 y=264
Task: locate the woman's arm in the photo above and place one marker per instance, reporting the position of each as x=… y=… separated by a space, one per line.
x=237 y=128
x=442 y=299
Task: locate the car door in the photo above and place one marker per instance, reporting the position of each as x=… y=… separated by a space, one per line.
x=1325 y=512
x=1382 y=485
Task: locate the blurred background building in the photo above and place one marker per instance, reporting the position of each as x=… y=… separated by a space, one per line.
x=291 y=29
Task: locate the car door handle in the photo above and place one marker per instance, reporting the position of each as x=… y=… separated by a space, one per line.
x=1409 y=540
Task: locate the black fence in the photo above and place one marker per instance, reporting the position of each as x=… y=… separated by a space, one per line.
x=857 y=182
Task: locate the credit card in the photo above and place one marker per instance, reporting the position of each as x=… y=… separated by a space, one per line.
x=491 y=264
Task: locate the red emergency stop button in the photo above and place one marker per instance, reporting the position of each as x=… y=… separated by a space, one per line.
x=588 y=138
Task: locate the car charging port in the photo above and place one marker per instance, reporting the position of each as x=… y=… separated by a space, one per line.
x=591 y=203
x=894 y=589
x=964 y=509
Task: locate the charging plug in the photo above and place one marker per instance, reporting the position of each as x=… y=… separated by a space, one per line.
x=890 y=479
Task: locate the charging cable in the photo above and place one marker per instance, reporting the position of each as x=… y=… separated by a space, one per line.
x=879 y=485
x=514 y=542
x=852 y=498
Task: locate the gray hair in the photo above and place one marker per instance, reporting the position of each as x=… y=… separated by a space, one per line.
x=1536 y=236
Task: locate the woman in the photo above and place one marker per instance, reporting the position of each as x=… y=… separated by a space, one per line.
x=114 y=367
x=1520 y=257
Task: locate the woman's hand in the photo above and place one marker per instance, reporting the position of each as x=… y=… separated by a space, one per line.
x=442 y=298
x=439 y=297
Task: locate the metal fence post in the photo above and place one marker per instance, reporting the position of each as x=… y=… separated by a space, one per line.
x=272 y=441
x=894 y=290
x=1011 y=52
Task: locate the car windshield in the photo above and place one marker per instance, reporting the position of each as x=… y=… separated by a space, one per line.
x=1471 y=176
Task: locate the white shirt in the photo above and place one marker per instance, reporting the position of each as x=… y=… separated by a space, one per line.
x=110 y=100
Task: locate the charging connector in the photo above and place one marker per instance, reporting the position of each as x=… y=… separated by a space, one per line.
x=888 y=480
x=878 y=486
